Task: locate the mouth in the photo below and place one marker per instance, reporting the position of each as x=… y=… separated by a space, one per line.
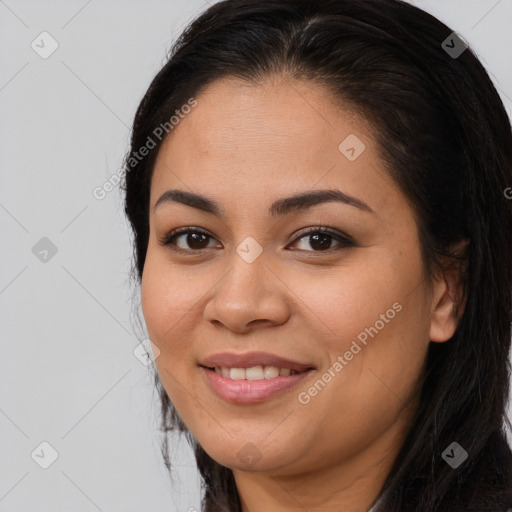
x=258 y=372
x=252 y=377
x=256 y=365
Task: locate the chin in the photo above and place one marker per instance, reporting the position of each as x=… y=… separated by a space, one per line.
x=247 y=455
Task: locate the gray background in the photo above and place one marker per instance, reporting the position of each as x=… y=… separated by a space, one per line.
x=68 y=373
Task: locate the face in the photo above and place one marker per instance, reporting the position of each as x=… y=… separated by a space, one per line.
x=335 y=287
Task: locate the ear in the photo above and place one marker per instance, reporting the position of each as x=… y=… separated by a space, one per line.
x=448 y=297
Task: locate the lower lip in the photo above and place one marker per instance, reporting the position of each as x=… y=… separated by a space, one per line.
x=250 y=391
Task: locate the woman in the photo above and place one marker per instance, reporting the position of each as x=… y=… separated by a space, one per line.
x=323 y=242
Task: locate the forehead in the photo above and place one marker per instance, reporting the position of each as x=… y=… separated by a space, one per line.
x=234 y=116
x=268 y=140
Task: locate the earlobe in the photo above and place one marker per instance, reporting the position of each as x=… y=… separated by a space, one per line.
x=449 y=298
x=444 y=316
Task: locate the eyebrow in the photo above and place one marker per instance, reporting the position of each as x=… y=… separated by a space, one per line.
x=297 y=203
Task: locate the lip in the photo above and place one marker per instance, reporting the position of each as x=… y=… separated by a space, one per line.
x=249 y=359
x=250 y=391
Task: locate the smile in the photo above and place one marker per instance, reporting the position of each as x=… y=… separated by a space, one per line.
x=244 y=390
x=254 y=372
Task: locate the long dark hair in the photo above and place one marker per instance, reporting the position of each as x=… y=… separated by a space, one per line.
x=446 y=140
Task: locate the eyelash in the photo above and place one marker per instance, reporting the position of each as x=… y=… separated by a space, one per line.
x=345 y=240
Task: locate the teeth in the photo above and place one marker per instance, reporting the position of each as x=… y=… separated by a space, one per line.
x=237 y=373
x=271 y=372
x=255 y=372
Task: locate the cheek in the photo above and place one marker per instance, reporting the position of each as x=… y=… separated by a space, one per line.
x=165 y=306
x=375 y=382
x=166 y=292
x=164 y=300
x=154 y=299
x=386 y=362
x=170 y=299
x=374 y=317
x=341 y=302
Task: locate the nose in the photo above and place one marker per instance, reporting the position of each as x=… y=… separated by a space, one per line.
x=249 y=294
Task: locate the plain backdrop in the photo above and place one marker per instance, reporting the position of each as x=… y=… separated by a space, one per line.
x=69 y=376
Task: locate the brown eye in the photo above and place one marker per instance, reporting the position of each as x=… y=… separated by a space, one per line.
x=193 y=239
x=320 y=239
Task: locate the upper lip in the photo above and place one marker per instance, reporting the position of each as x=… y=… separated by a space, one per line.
x=249 y=359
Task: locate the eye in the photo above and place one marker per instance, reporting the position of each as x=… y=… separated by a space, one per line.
x=319 y=238
x=195 y=237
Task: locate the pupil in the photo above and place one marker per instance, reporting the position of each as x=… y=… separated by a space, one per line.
x=193 y=238
x=323 y=245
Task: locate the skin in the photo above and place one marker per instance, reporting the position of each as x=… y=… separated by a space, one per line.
x=246 y=145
